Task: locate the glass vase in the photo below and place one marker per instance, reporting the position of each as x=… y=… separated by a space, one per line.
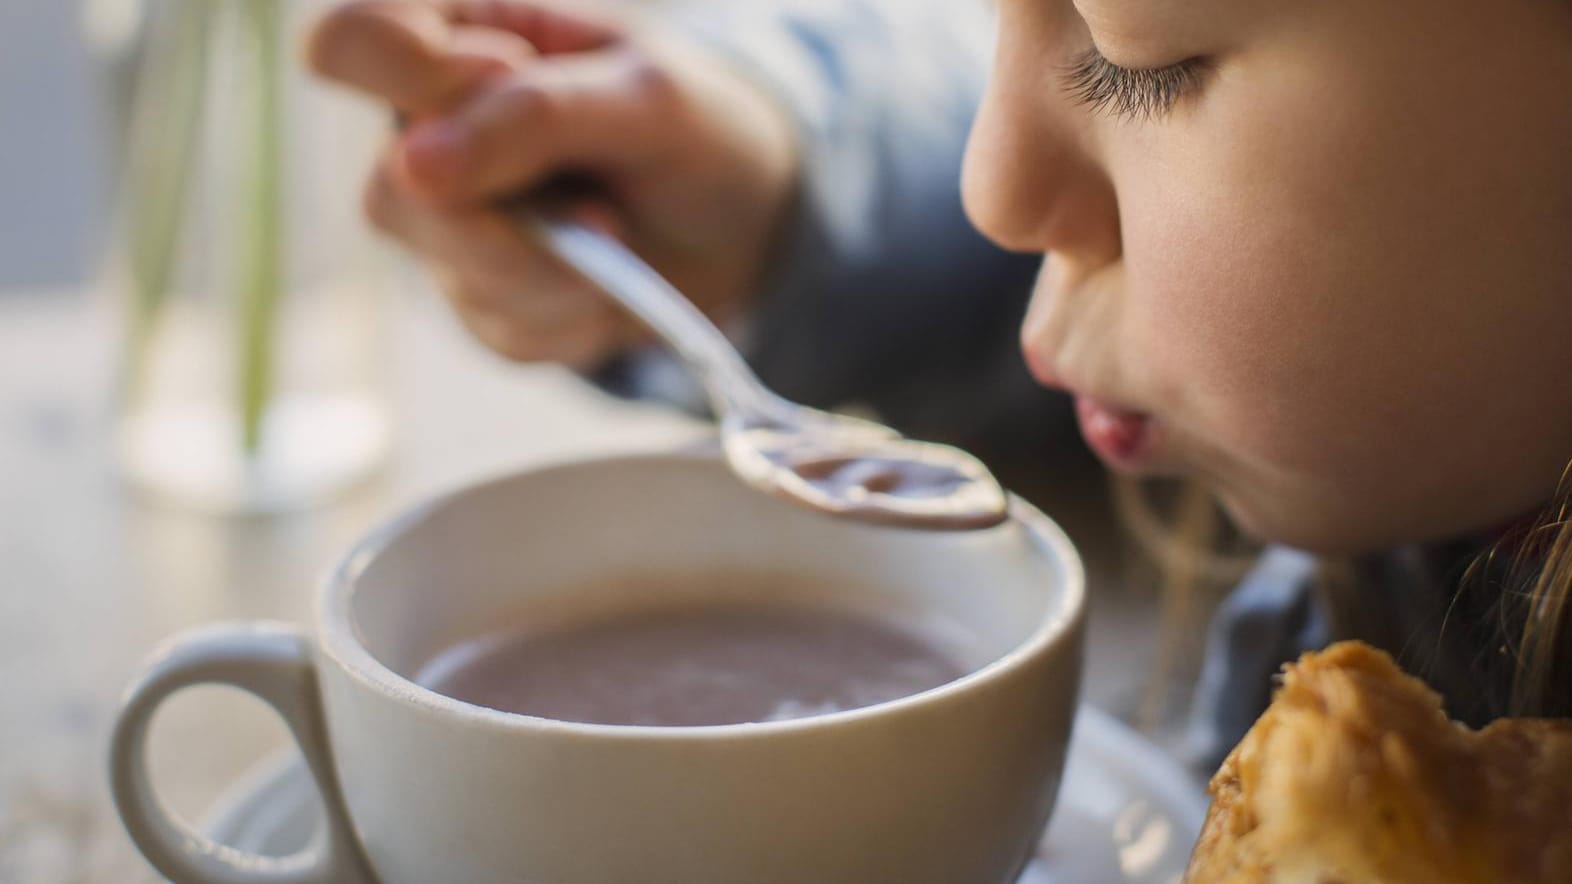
x=252 y=378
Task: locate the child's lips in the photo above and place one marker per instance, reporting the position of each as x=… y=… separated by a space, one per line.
x=1123 y=437
x=1120 y=436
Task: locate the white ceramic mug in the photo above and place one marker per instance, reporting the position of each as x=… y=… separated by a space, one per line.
x=950 y=786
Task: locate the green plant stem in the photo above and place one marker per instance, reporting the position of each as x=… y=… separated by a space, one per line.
x=161 y=150
x=261 y=254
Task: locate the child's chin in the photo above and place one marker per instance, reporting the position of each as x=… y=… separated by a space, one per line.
x=1304 y=527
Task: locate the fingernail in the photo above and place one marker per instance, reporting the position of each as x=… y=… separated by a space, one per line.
x=434 y=151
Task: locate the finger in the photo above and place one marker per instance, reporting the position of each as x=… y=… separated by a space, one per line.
x=581 y=346
x=498 y=266
x=551 y=30
x=488 y=44
x=471 y=237
x=597 y=111
x=598 y=215
x=408 y=55
x=544 y=300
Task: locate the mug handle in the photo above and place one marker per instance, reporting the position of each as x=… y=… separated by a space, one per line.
x=274 y=662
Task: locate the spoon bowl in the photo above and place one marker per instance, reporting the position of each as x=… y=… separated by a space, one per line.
x=870 y=477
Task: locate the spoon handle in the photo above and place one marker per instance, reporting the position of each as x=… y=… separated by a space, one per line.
x=730 y=383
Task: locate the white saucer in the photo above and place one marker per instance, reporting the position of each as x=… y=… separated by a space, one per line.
x=1126 y=811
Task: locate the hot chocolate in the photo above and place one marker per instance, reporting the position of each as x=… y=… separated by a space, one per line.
x=700 y=665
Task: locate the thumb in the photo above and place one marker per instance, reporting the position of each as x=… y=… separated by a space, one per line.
x=593 y=112
x=408 y=54
x=551 y=30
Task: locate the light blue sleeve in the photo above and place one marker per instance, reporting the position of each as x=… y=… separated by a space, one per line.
x=1269 y=619
x=882 y=293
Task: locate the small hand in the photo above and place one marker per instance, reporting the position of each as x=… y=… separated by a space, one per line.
x=692 y=165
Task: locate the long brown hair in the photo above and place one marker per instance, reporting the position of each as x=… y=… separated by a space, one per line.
x=1500 y=645
x=1198 y=558
x=1535 y=592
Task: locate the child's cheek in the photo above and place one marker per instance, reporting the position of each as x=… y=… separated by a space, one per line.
x=1230 y=332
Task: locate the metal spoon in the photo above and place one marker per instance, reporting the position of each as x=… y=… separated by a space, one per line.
x=829 y=462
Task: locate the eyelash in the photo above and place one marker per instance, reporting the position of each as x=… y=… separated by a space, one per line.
x=1100 y=84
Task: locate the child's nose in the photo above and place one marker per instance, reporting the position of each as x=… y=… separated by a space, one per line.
x=1030 y=184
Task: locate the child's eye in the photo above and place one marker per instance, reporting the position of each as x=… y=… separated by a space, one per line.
x=1125 y=92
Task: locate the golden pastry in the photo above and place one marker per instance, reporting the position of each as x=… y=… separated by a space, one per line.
x=1355 y=775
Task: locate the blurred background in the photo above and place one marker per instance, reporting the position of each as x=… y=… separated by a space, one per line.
x=53 y=155
x=129 y=510
x=127 y=515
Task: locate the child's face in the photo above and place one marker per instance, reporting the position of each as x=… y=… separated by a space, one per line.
x=1333 y=280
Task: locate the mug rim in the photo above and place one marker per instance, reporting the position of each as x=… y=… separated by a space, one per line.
x=339 y=640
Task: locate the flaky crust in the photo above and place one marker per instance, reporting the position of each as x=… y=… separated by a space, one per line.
x=1355 y=775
